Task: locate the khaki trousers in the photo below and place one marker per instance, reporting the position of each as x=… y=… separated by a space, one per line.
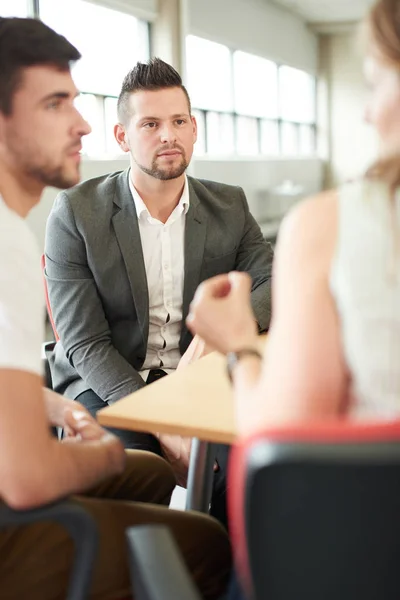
x=35 y=560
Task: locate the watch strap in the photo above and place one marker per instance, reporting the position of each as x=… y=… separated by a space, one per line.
x=232 y=358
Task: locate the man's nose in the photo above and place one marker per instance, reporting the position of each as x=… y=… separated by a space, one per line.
x=167 y=134
x=82 y=127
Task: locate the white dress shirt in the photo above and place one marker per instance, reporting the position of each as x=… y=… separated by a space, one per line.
x=164 y=260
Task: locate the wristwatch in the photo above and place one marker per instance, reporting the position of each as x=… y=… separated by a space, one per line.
x=233 y=358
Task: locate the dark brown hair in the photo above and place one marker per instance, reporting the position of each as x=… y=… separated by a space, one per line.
x=152 y=76
x=26 y=43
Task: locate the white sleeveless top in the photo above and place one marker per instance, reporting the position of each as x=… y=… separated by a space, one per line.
x=365 y=283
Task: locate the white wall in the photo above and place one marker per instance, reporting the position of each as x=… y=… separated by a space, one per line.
x=351 y=143
x=257 y=27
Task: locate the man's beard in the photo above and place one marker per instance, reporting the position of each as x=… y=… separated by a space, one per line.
x=56 y=177
x=37 y=164
x=166 y=173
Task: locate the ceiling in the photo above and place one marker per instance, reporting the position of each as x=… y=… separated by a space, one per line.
x=327 y=11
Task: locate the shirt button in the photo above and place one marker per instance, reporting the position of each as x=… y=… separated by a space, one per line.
x=165 y=266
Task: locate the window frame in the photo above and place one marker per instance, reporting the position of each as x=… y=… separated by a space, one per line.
x=279 y=121
x=101 y=98
x=34 y=11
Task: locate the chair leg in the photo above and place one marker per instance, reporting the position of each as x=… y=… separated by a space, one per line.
x=157 y=569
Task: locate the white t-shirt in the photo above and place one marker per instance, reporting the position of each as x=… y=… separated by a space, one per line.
x=21 y=295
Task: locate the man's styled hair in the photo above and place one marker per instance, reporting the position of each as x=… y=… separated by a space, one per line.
x=27 y=43
x=152 y=76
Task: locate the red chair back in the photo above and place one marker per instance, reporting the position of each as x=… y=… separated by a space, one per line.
x=46 y=294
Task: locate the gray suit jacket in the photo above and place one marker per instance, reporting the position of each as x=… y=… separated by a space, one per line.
x=97 y=281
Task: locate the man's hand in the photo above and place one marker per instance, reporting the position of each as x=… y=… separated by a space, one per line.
x=79 y=425
x=176 y=451
x=86 y=430
x=56 y=407
x=221 y=313
x=196 y=349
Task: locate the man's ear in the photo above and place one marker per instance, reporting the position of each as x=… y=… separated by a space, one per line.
x=194 y=123
x=121 y=137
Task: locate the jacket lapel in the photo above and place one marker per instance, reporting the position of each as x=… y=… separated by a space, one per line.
x=126 y=229
x=195 y=236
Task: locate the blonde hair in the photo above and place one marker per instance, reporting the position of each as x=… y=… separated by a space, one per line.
x=382 y=29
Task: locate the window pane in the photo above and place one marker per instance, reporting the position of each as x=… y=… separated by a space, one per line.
x=111 y=42
x=14 y=8
x=269 y=138
x=306 y=140
x=110 y=119
x=220 y=133
x=289 y=139
x=247 y=136
x=297 y=95
x=91 y=109
x=200 y=145
x=209 y=74
x=256 y=85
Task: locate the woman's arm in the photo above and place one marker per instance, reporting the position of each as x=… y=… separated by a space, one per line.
x=303 y=375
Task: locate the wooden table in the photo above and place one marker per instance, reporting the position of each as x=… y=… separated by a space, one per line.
x=196 y=401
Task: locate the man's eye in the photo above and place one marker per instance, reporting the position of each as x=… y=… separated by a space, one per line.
x=180 y=121
x=150 y=125
x=53 y=104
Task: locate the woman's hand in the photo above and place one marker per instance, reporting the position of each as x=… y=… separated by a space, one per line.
x=221 y=313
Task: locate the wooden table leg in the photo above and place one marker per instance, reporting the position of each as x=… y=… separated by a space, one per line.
x=200 y=476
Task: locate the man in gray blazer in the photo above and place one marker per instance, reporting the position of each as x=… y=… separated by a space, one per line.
x=125 y=252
